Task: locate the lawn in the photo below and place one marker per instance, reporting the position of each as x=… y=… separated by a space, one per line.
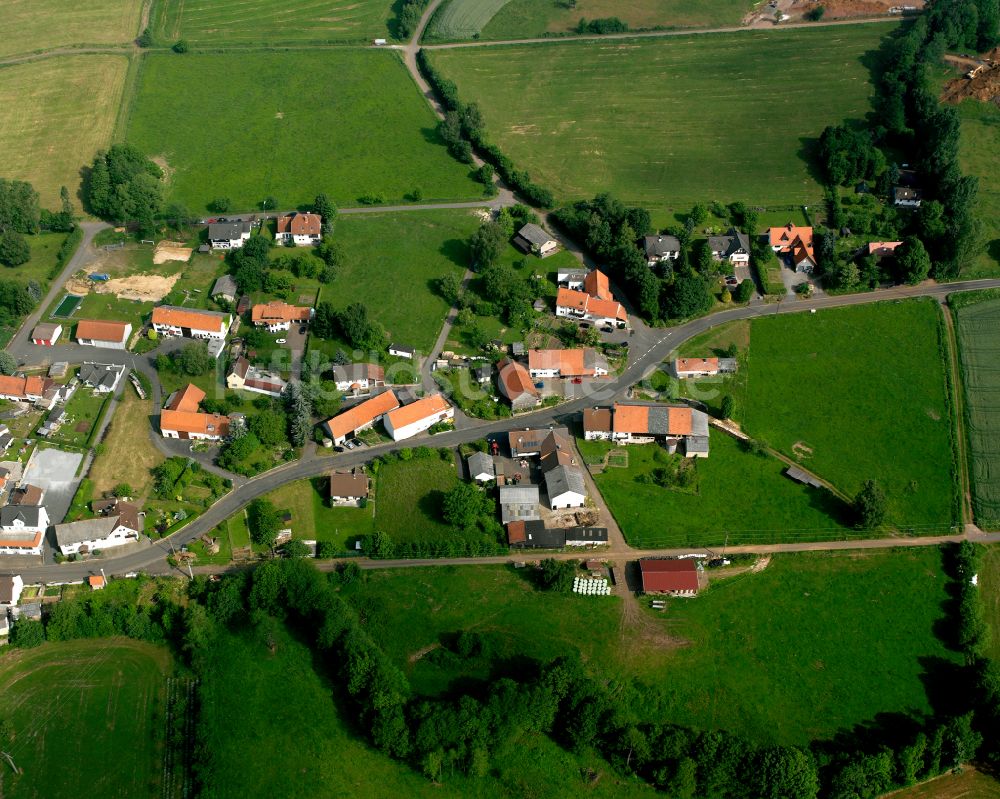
x=234 y=22
x=44 y=249
x=289 y=125
x=57 y=113
x=409 y=496
x=83 y=411
x=990 y=581
x=72 y=705
x=859 y=393
x=811 y=645
x=742 y=498
x=314 y=519
x=979 y=352
x=127 y=454
x=675 y=121
x=979 y=155
x=93 y=22
x=520 y=19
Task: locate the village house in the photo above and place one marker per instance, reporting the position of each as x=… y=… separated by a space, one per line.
x=796 y=244
x=243 y=376
x=518 y=503
x=27 y=495
x=905 y=197
x=225 y=289
x=170 y=320
x=302 y=230
x=597 y=424
x=38 y=390
x=360 y=417
x=105 y=532
x=276 y=316
x=703 y=367
x=181 y=418
x=22 y=529
x=565 y=487
x=669 y=425
x=229 y=235
x=882 y=249
x=358 y=378
x=533 y=534
x=733 y=247
x=11 y=586
x=103 y=378
x=677 y=577
x=571 y=278
x=46 y=334
x=407 y=421
x=482 y=469
x=580 y=362
x=516 y=385
x=529 y=443
x=348 y=489
x=401 y=351
x=595 y=303
x=661 y=248
x=533 y=239
x=97 y=333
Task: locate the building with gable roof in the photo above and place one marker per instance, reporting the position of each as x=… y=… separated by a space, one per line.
x=276 y=316
x=229 y=235
x=595 y=303
x=171 y=320
x=360 y=417
x=516 y=385
x=733 y=247
x=796 y=243
x=409 y=420
x=300 y=229
x=533 y=239
x=660 y=248
x=116 y=529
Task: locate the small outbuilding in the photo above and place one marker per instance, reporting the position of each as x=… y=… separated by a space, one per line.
x=482 y=469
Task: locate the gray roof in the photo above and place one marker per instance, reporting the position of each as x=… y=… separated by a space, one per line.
x=660 y=245
x=86 y=530
x=696 y=444
x=592 y=359
x=561 y=479
x=225 y=285
x=732 y=242
x=401 y=348
x=30 y=515
x=802 y=476
x=227 y=231
x=589 y=535
x=45 y=330
x=699 y=426
x=519 y=502
x=517 y=348
x=481 y=463
x=100 y=375
x=534 y=235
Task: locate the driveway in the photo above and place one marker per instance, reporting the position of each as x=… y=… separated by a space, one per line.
x=55 y=471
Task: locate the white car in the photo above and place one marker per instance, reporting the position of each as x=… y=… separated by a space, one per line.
x=280 y=341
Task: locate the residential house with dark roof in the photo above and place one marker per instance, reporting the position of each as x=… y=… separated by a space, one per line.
x=27 y=494
x=244 y=376
x=533 y=239
x=121 y=527
x=732 y=247
x=103 y=378
x=660 y=248
x=229 y=235
x=597 y=424
x=358 y=378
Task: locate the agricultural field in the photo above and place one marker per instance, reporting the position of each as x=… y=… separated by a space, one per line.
x=115 y=688
x=979 y=351
x=831 y=657
x=314 y=519
x=739 y=497
x=348 y=123
x=671 y=122
x=238 y=22
x=57 y=113
x=409 y=496
x=521 y=19
x=127 y=455
x=856 y=394
x=90 y=22
x=979 y=155
x=969 y=784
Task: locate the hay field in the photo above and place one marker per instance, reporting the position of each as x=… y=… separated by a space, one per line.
x=44 y=24
x=676 y=121
x=54 y=115
x=206 y=22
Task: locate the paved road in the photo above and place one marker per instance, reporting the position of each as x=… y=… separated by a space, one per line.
x=641 y=363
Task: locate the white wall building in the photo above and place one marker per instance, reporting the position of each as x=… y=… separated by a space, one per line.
x=418 y=416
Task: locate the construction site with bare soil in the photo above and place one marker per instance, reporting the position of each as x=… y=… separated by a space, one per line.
x=776 y=12
x=980 y=78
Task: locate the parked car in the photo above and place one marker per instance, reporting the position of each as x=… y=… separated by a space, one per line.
x=280 y=340
x=732 y=281
x=302 y=330
x=349 y=444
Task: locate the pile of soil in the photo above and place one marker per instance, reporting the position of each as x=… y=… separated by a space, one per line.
x=144 y=288
x=171 y=251
x=985 y=86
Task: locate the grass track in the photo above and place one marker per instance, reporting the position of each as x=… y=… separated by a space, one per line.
x=671 y=122
x=291 y=125
x=54 y=115
x=461 y=19
x=32 y=25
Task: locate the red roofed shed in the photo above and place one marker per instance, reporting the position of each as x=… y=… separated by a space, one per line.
x=678 y=577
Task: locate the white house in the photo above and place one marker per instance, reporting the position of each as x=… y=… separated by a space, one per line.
x=11 y=586
x=482 y=469
x=733 y=247
x=348 y=489
x=249 y=378
x=169 y=320
x=358 y=378
x=565 y=487
x=578 y=362
x=228 y=235
x=193 y=425
x=360 y=417
x=22 y=529
x=571 y=278
x=301 y=230
x=661 y=248
x=46 y=334
x=401 y=351
x=105 y=532
x=533 y=239
x=103 y=378
x=597 y=424
x=416 y=417
x=703 y=367
x=277 y=316
x=98 y=333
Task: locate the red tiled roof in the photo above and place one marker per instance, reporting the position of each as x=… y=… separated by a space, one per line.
x=14 y=386
x=186 y=399
x=596 y=285
x=514 y=379
x=787 y=237
x=431 y=405
x=201 y=423
x=569 y=363
x=361 y=414
x=97 y=330
x=697 y=365
x=882 y=247
x=181 y=317
x=277 y=311
x=669 y=575
x=515 y=533
x=300 y=224
x=581 y=301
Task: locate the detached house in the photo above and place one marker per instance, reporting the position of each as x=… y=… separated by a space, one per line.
x=22 y=529
x=594 y=304
x=103 y=378
x=38 y=390
x=516 y=385
x=703 y=367
x=581 y=362
x=115 y=530
x=358 y=378
x=597 y=424
x=360 y=417
x=225 y=288
x=182 y=419
x=669 y=424
x=533 y=239
x=418 y=416
x=277 y=316
x=661 y=248
x=905 y=197
x=228 y=235
x=96 y=333
x=796 y=243
x=301 y=230
x=169 y=320
x=249 y=378
x=46 y=334
x=348 y=489
x=733 y=247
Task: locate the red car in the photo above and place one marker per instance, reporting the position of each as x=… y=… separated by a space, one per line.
x=578 y=380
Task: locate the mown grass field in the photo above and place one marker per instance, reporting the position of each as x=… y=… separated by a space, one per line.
x=314 y=519
x=30 y=23
x=859 y=393
x=979 y=155
x=676 y=121
x=741 y=496
x=85 y=713
x=56 y=114
x=979 y=351
x=128 y=454
x=408 y=505
x=813 y=644
x=289 y=125
x=229 y=22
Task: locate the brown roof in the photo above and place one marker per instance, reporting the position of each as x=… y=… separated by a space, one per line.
x=569 y=363
x=596 y=285
x=13 y=386
x=187 y=422
x=785 y=237
x=669 y=575
x=98 y=330
x=300 y=224
x=515 y=533
x=128 y=515
x=697 y=364
x=430 y=405
x=361 y=414
x=277 y=311
x=882 y=247
x=26 y=495
x=102 y=505
x=597 y=420
x=186 y=317
x=186 y=399
x=348 y=485
x=514 y=379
